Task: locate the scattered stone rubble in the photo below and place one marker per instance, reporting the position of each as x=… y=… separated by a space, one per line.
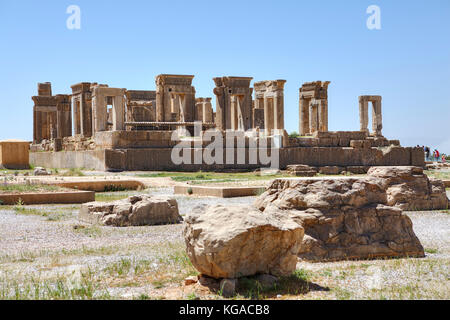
x=139 y=210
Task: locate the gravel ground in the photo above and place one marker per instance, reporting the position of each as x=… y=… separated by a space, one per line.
x=19 y=233
x=34 y=243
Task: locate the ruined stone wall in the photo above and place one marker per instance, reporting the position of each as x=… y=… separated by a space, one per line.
x=141 y=107
x=233 y=103
x=175 y=98
x=160 y=158
x=354 y=139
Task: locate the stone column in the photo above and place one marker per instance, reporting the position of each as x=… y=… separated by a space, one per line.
x=100 y=113
x=82 y=116
x=313 y=117
x=37 y=126
x=377 y=121
x=323 y=115
x=181 y=102
x=87 y=115
x=220 y=108
x=234 y=116
x=363 y=114
x=118 y=113
x=159 y=105
x=268 y=115
x=240 y=117
x=304 y=116
x=278 y=103
x=76 y=120
x=207 y=112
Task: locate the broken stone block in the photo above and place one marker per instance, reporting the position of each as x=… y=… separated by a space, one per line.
x=331 y=170
x=237 y=241
x=139 y=210
x=39 y=171
x=347 y=218
x=300 y=170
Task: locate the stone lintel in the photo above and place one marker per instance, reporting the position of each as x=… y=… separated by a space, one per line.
x=174 y=79
x=82 y=87
x=108 y=92
x=232 y=81
x=370 y=98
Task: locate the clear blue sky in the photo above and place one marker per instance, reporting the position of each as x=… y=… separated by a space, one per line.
x=127 y=43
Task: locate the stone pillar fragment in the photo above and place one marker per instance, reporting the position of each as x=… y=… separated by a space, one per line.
x=313 y=107
x=363 y=114
x=231 y=113
x=271 y=95
x=279 y=111
x=268 y=115
x=175 y=98
x=377 y=121
x=304 y=116
x=118 y=113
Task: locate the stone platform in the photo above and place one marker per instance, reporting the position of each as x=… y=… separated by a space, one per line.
x=218 y=192
x=159 y=159
x=69 y=197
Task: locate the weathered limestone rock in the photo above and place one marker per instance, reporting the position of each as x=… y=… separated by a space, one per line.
x=14 y=154
x=135 y=211
x=39 y=171
x=266 y=280
x=236 y=241
x=408 y=188
x=300 y=170
x=357 y=169
x=343 y=218
x=331 y=170
x=228 y=287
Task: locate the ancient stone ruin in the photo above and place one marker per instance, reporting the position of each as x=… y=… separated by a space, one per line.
x=356 y=218
x=269 y=95
x=141 y=210
x=118 y=129
x=314 y=107
x=377 y=124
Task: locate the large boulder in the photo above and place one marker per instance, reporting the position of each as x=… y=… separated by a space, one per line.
x=343 y=218
x=142 y=210
x=408 y=188
x=236 y=241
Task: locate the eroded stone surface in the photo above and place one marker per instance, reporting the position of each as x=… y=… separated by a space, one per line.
x=343 y=218
x=236 y=241
x=408 y=188
x=135 y=211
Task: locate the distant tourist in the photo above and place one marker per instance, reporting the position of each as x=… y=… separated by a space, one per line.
x=437 y=155
x=427 y=153
x=444 y=160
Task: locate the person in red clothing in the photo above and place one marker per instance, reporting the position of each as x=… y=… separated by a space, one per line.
x=437 y=155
